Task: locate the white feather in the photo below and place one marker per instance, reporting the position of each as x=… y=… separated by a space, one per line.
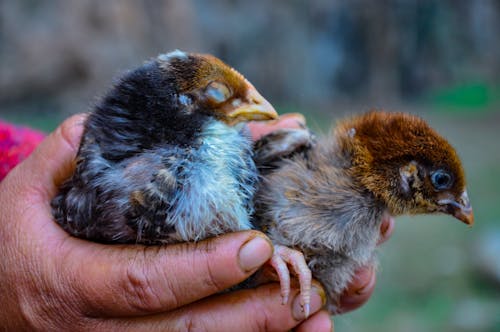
x=177 y=54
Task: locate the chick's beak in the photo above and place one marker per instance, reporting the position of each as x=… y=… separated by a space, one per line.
x=460 y=208
x=255 y=107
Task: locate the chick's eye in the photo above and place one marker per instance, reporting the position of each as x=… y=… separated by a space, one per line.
x=441 y=180
x=218 y=92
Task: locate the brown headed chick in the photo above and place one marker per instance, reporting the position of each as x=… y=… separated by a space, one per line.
x=325 y=197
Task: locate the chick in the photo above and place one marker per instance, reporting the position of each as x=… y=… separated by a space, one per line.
x=165 y=156
x=324 y=198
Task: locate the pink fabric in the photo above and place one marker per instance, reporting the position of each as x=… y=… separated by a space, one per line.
x=16 y=143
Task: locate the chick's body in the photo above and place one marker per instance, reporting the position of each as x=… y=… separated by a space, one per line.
x=164 y=157
x=326 y=197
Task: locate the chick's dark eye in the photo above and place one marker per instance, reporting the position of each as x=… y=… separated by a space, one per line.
x=217 y=92
x=441 y=180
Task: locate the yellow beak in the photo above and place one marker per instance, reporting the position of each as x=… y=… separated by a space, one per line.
x=254 y=108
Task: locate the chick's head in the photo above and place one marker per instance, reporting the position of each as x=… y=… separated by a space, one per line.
x=206 y=84
x=407 y=165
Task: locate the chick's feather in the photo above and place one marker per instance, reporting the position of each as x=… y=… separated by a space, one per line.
x=164 y=156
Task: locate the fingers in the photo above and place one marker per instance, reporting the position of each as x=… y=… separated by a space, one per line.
x=359 y=290
x=291 y=120
x=320 y=322
x=138 y=280
x=386 y=228
x=34 y=181
x=54 y=156
x=258 y=309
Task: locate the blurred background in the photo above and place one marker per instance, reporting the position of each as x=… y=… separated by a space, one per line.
x=437 y=58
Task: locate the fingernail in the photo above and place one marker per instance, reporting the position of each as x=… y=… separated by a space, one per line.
x=385 y=225
x=318 y=300
x=317 y=288
x=254 y=253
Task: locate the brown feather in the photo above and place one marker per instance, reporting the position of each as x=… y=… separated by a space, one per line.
x=381 y=142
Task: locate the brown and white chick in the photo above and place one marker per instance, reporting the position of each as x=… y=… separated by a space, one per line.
x=325 y=197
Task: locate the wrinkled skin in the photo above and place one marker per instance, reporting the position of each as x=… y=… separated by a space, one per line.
x=52 y=281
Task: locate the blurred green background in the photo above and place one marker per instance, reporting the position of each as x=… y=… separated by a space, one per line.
x=326 y=59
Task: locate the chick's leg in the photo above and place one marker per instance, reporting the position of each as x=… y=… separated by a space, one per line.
x=284 y=256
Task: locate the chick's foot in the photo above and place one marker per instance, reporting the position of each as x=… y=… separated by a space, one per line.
x=282 y=258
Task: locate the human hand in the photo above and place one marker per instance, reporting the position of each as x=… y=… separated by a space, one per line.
x=52 y=281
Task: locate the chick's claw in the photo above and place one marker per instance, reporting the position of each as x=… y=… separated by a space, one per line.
x=284 y=256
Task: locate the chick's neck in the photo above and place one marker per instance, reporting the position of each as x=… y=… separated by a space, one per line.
x=377 y=174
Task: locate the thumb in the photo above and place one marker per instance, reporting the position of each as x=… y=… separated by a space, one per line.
x=134 y=280
x=262 y=128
